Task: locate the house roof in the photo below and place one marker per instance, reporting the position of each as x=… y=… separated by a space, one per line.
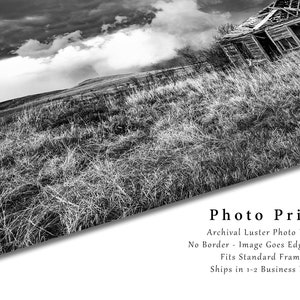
x=276 y=12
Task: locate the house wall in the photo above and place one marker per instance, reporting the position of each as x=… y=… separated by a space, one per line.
x=284 y=38
x=233 y=54
x=278 y=33
x=254 y=48
x=236 y=57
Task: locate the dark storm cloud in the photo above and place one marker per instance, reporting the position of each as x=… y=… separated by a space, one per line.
x=232 y=6
x=21 y=20
x=240 y=10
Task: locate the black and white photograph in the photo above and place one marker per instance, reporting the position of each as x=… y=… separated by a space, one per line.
x=111 y=108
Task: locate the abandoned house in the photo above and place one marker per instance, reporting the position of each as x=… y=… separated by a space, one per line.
x=273 y=32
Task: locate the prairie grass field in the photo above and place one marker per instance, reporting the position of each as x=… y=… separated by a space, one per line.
x=75 y=163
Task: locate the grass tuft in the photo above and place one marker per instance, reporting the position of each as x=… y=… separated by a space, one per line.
x=70 y=165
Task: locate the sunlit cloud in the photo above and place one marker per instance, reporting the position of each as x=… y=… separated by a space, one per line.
x=69 y=59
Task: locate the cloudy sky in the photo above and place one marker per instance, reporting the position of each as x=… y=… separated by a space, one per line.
x=55 y=44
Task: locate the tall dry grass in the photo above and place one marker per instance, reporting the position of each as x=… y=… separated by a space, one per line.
x=71 y=165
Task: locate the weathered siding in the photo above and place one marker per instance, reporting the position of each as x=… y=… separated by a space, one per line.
x=279 y=33
x=233 y=54
x=254 y=48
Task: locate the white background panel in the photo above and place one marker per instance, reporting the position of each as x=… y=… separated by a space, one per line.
x=146 y=257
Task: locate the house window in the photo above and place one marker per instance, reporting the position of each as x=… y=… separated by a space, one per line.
x=292 y=42
x=296 y=29
x=287 y=44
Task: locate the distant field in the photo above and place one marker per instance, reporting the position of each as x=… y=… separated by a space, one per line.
x=99 y=86
x=92 y=157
